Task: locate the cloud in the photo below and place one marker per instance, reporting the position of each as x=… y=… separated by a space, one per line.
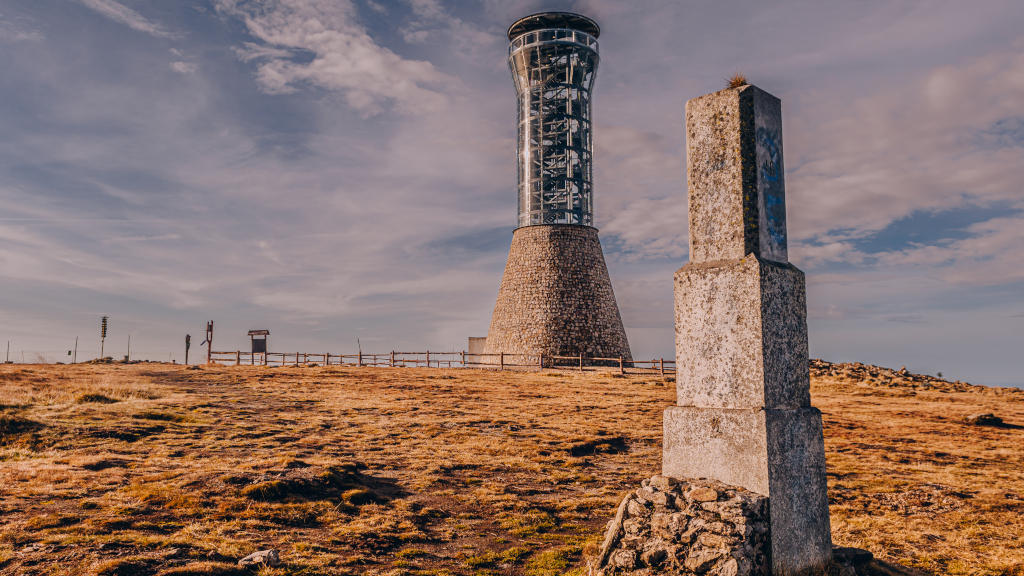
x=909 y=146
x=124 y=15
x=989 y=257
x=320 y=43
x=18 y=30
x=637 y=183
x=432 y=21
x=184 y=67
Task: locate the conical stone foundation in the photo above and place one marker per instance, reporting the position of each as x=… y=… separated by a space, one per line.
x=556 y=297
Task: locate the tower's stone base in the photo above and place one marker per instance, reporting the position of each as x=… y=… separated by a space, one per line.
x=556 y=297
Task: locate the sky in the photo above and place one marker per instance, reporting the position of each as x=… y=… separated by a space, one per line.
x=342 y=171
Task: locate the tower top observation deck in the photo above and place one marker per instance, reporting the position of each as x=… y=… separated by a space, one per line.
x=544 y=20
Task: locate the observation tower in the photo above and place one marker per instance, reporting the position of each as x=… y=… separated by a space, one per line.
x=556 y=296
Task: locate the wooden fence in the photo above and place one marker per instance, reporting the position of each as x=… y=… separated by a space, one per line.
x=428 y=359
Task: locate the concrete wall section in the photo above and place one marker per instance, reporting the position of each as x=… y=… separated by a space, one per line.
x=476 y=344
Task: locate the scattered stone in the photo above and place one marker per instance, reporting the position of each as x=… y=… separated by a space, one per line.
x=984 y=420
x=654 y=556
x=704 y=494
x=624 y=559
x=659 y=482
x=261 y=558
x=700 y=560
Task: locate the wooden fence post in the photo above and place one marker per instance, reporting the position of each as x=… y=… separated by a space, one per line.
x=462 y=358
x=392 y=358
x=622 y=368
x=360 y=361
x=662 y=366
x=428 y=360
x=501 y=361
x=541 y=361
x=581 y=361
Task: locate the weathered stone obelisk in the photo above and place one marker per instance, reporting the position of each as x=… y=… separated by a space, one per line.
x=743 y=415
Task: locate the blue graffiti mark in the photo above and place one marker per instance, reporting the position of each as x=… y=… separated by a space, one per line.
x=772 y=196
x=770 y=164
x=775 y=213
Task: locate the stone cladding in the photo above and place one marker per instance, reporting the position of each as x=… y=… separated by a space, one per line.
x=556 y=297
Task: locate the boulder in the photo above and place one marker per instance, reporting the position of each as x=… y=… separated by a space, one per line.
x=261 y=558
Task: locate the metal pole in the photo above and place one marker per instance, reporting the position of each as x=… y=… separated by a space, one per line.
x=9 y=349
x=74 y=355
x=128 y=357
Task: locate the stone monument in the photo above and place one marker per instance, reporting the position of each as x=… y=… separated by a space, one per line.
x=556 y=296
x=743 y=489
x=743 y=413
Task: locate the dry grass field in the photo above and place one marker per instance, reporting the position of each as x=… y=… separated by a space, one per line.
x=159 y=469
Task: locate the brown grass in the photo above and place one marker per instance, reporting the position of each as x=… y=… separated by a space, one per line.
x=736 y=81
x=426 y=471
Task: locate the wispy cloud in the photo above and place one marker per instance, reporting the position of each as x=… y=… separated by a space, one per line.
x=182 y=67
x=432 y=21
x=124 y=15
x=18 y=30
x=344 y=57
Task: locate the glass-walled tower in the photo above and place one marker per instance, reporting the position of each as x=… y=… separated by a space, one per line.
x=553 y=58
x=556 y=297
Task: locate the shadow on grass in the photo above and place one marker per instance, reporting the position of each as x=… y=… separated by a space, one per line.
x=346 y=483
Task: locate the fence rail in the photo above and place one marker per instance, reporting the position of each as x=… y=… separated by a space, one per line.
x=428 y=359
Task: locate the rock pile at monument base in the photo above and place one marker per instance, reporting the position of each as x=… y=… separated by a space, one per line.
x=685 y=527
x=702 y=527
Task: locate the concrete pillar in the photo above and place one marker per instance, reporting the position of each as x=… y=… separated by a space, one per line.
x=743 y=413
